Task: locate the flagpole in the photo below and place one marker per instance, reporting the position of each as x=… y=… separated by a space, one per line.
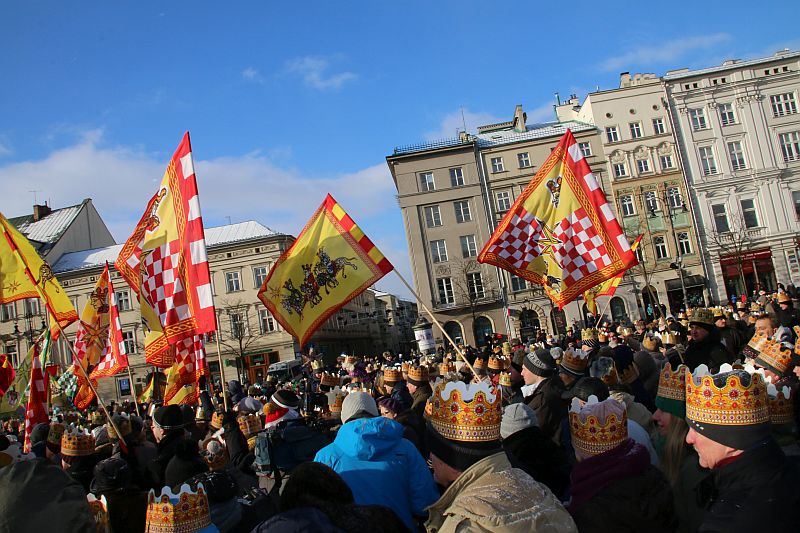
x=75 y=359
x=600 y=317
x=221 y=371
x=455 y=347
x=133 y=390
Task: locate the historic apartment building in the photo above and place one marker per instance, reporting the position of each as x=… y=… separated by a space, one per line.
x=452 y=194
x=650 y=195
x=738 y=130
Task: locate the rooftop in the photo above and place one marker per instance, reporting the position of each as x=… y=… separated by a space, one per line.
x=432 y=145
x=48 y=229
x=536 y=131
x=730 y=64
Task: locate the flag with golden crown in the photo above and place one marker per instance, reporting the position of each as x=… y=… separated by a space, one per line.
x=115 y=357
x=23 y=274
x=561 y=232
x=331 y=262
x=609 y=286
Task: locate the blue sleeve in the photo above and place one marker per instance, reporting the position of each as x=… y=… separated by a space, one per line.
x=423 y=489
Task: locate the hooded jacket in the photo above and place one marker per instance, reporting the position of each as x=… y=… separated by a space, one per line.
x=492 y=496
x=381 y=467
x=708 y=351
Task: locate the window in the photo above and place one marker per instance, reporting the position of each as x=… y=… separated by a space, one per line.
x=796 y=200
x=503 y=201
x=238 y=325
x=790 y=146
x=619 y=170
x=684 y=244
x=707 y=162
x=640 y=253
x=129 y=339
x=586 y=149
x=259 y=275
x=524 y=160
x=651 y=201
x=749 y=213
x=643 y=165
x=674 y=197
x=438 y=251
x=626 y=206
x=636 y=130
x=432 y=216
x=445 y=287
x=265 y=321
x=737 y=155
x=698 y=117
x=9 y=312
x=497 y=164
x=456 y=177
x=468 y=246
x=658 y=126
x=726 y=115
x=518 y=283
x=611 y=134
x=783 y=104
x=462 y=211
x=720 y=218
x=232 y=282
x=31 y=307
x=475 y=285
x=426 y=182
x=660 y=244
x=11 y=352
x=123 y=301
x=666 y=162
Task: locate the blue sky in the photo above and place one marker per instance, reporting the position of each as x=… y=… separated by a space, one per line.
x=286 y=101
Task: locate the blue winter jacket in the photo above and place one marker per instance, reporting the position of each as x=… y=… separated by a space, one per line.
x=381 y=467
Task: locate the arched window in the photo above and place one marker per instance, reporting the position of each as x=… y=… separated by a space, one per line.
x=618 y=312
x=483 y=329
x=454 y=330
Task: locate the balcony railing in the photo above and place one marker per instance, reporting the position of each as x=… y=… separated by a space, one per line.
x=459 y=301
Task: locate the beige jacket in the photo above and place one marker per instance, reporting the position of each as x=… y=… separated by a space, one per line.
x=491 y=496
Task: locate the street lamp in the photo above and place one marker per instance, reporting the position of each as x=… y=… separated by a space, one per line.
x=671 y=213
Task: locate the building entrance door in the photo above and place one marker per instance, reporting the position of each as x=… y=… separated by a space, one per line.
x=258 y=365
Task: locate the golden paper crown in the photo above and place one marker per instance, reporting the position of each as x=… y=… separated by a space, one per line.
x=506 y=348
x=404 y=367
x=772 y=354
x=602 y=337
x=250 y=424
x=672 y=385
x=670 y=338
x=445 y=368
x=589 y=334
x=703 y=316
x=76 y=442
x=576 y=361
x=497 y=363
x=505 y=379
x=201 y=414
x=329 y=380
x=335 y=401
x=392 y=375
x=317 y=364
x=781 y=408
x=718 y=312
x=466 y=412
x=418 y=373
x=216 y=420
x=55 y=433
x=733 y=404
x=797 y=336
x=99 y=509
x=650 y=343
x=593 y=436
x=183 y=512
x=783 y=297
x=479 y=364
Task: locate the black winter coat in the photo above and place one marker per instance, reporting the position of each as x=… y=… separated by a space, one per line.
x=549 y=407
x=532 y=451
x=156 y=470
x=758 y=491
x=708 y=351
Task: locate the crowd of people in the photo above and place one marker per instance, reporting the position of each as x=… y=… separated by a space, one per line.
x=688 y=423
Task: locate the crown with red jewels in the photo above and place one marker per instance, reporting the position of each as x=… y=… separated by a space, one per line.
x=594 y=435
x=732 y=404
x=180 y=512
x=466 y=412
x=781 y=408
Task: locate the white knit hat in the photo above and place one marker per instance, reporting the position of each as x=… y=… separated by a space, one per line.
x=517 y=417
x=357 y=402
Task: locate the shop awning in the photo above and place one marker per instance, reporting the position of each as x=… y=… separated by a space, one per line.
x=688 y=281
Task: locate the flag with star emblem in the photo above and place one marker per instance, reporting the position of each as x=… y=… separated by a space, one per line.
x=561 y=232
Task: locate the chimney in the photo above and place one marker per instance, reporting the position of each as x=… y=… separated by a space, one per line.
x=624 y=79
x=40 y=211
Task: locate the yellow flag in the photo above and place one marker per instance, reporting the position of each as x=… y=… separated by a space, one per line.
x=23 y=274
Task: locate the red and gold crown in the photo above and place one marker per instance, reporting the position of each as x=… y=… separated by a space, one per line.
x=216 y=420
x=329 y=380
x=775 y=357
x=185 y=511
x=733 y=404
x=466 y=412
x=672 y=385
x=755 y=345
x=592 y=435
x=479 y=364
x=76 y=442
x=505 y=379
x=99 y=509
x=497 y=363
x=392 y=375
x=781 y=408
x=575 y=361
x=797 y=336
x=404 y=367
x=250 y=424
x=418 y=373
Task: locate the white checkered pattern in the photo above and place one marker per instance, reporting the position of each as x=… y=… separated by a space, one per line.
x=190 y=359
x=582 y=251
x=114 y=358
x=162 y=286
x=36 y=409
x=519 y=243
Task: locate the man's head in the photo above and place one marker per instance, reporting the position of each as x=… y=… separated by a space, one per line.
x=701 y=324
x=709 y=452
x=766 y=325
x=537 y=366
x=358 y=405
x=167 y=419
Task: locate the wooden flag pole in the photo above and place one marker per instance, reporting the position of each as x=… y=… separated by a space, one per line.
x=600 y=317
x=425 y=307
x=133 y=390
x=224 y=384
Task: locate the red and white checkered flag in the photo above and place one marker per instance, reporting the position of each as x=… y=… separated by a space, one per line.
x=36 y=410
x=115 y=357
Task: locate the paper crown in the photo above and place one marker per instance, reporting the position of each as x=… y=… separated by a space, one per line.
x=419 y=374
x=479 y=364
x=589 y=334
x=497 y=363
x=784 y=298
x=731 y=404
x=250 y=424
x=445 y=368
x=590 y=434
x=99 y=509
x=216 y=420
x=774 y=357
x=183 y=512
x=702 y=316
x=672 y=384
x=755 y=345
x=718 y=313
x=317 y=364
x=466 y=412
x=670 y=338
x=76 y=442
x=335 y=400
x=505 y=379
x=650 y=343
x=575 y=362
x=506 y=348
x=797 y=336
x=55 y=433
x=392 y=375
x=329 y=380
x=405 y=366
x=781 y=408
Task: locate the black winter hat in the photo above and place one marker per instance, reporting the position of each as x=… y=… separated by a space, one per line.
x=39 y=432
x=540 y=363
x=286 y=399
x=186 y=463
x=460 y=455
x=110 y=475
x=168 y=417
x=585 y=387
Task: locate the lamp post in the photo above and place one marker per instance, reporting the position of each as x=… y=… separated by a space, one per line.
x=671 y=213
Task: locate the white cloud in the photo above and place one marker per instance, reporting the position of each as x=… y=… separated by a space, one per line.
x=314 y=72
x=453 y=122
x=251 y=74
x=663 y=53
